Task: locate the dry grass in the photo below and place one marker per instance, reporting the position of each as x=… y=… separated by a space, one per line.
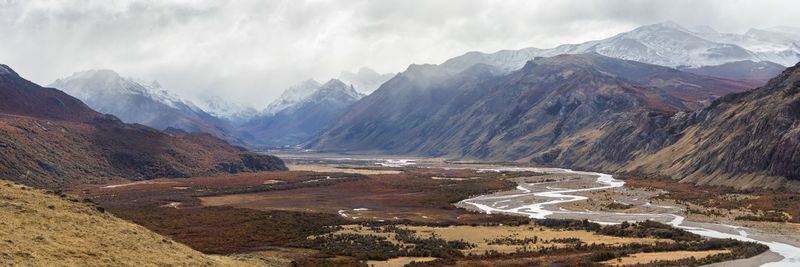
x=397 y=262
x=285 y=252
x=42 y=229
x=453 y=178
x=483 y=235
x=644 y=258
x=327 y=168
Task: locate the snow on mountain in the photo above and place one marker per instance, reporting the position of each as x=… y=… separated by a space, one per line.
x=365 y=80
x=235 y=114
x=666 y=44
x=791 y=32
x=4 y=69
x=299 y=119
x=140 y=102
x=292 y=96
x=99 y=87
x=334 y=91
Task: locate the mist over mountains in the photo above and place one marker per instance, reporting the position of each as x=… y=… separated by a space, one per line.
x=300 y=113
x=523 y=104
x=135 y=102
x=50 y=139
x=666 y=44
x=399 y=133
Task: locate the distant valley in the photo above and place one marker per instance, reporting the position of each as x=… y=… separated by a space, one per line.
x=615 y=104
x=662 y=146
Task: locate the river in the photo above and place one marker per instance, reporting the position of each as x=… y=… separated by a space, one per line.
x=519 y=203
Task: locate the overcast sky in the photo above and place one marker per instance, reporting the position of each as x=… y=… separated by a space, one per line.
x=250 y=51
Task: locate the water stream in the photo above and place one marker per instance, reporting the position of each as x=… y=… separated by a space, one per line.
x=518 y=204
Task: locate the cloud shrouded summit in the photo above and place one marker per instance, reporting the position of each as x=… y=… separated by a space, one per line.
x=247 y=52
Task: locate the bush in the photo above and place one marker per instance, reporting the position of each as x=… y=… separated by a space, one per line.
x=603 y=256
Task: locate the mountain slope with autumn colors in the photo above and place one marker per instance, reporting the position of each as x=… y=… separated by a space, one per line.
x=49 y=139
x=483 y=113
x=748 y=139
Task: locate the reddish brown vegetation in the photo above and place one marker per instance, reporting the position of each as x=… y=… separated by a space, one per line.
x=58 y=154
x=49 y=139
x=224 y=230
x=227 y=229
x=768 y=202
x=22 y=97
x=409 y=195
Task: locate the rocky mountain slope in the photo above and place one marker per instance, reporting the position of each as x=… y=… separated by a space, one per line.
x=148 y=104
x=584 y=111
x=292 y=96
x=48 y=229
x=22 y=97
x=748 y=139
x=665 y=44
x=485 y=113
x=49 y=139
x=763 y=70
x=302 y=114
x=233 y=113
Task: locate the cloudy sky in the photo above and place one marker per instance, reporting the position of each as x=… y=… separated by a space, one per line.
x=249 y=51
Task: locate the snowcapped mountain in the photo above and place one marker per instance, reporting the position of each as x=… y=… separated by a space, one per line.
x=101 y=89
x=334 y=92
x=235 y=114
x=292 y=96
x=300 y=112
x=761 y=71
x=791 y=32
x=666 y=44
x=365 y=80
x=137 y=102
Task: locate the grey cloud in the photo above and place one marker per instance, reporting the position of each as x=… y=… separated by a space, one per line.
x=249 y=51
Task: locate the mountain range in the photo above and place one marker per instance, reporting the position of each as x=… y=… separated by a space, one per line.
x=289 y=120
x=748 y=139
x=699 y=50
x=300 y=112
x=148 y=104
x=617 y=104
x=584 y=111
x=365 y=80
x=666 y=44
x=49 y=139
x=485 y=113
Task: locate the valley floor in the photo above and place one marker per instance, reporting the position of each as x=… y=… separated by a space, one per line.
x=350 y=210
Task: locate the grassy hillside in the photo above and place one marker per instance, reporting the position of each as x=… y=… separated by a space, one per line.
x=49 y=139
x=41 y=228
x=748 y=139
x=54 y=154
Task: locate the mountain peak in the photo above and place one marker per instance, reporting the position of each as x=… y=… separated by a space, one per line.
x=333 y=83
x=703 y=29
x=669 y=24
x=367 y=71
x=23 y=97
x=308 y=84
x=97 y=74
x=334 y=88
x=6 y=70
x=365 y=80
x=292 y=96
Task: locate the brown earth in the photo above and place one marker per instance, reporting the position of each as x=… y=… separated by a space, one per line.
x=47 y=229
x=58 y=154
